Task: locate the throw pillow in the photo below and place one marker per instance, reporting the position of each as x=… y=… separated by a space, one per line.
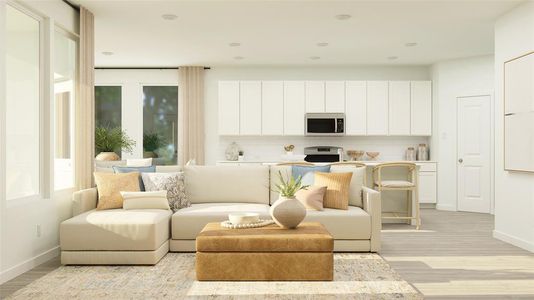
x=145 y=200
x=173 y=183
x=143 y=162
x=109 y=186
x=356 y=183
x=306 y=173
x=337 y=189
x=150 y=169
x=312 y=197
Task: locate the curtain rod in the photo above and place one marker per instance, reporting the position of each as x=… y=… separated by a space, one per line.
x=142 y=68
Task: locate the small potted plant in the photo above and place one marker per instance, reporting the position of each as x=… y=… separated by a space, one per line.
x=287 y=211
x=109 y=141
x=152 y=142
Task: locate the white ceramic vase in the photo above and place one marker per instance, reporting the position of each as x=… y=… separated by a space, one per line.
x=288 y=212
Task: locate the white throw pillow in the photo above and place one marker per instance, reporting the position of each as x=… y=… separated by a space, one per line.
x=145 y=200
x=143 y=162
x=356 y=183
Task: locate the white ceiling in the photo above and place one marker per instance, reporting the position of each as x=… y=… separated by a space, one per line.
x=287 y=32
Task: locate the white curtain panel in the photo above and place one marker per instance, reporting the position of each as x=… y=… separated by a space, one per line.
x=85 y=104
x=191 y=115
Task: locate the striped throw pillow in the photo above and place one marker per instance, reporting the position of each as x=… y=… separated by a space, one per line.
x=337 y=189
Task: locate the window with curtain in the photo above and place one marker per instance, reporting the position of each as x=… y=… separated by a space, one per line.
x=65 y=70
x=160 y=121
x=23 y=103
x=108 y=102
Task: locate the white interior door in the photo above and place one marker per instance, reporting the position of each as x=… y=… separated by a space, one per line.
x=474 y=150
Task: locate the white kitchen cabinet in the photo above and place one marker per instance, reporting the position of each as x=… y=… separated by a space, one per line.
x=356 y=107
x=399 y=108
x=294 y=107
x=250 y=108
x=427 y=187
x=335 y=96
x=377 y=108
x=421 y=108
x=272 y=108
x=315 y=102
x=228 y=107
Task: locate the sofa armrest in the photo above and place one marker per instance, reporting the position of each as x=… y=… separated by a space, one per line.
x=83 y=201
x=372 y=204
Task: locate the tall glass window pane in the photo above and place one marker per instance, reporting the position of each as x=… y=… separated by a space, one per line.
x=64 y=89
x=22 y=104
x=108 y=106
x=160 y=118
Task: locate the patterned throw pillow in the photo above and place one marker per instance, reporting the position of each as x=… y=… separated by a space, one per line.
x=337 y=189
x=173 y=183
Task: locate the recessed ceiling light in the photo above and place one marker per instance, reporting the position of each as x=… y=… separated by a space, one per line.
x=343 y=17
x=392 y=57
x=238 y=57
x=315 y=57
x=234 y=44
x=323 y=44
x=108 y=53
x=169 y=17
x=412 y=44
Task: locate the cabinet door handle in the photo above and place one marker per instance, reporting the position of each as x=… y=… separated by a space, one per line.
x=461 y=160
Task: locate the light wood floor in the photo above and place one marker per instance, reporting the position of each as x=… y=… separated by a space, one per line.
x=453 y=256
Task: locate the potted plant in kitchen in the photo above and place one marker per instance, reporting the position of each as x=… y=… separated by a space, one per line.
x=108 y=141
x=152 y=142
x=287 y=211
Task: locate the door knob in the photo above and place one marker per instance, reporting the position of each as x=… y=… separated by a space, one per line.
x=461 y=160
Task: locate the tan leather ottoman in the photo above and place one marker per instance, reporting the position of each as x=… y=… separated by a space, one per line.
x=265 y=253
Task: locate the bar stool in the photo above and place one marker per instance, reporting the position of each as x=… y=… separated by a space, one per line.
x=410 y=185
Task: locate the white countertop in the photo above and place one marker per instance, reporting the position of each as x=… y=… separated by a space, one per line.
x=367 y=162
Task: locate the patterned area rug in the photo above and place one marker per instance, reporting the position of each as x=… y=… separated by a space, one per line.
x=356 y=276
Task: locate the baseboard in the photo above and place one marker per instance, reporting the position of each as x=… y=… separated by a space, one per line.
x=28 y=264
x=513 y=240
x=445 y=207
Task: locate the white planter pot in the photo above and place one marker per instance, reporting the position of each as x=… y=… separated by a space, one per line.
x=288 y=212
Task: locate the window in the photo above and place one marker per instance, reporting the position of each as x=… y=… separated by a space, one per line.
x=23 y=102
x=65 y=68
x=108 y=106
x=160 y=118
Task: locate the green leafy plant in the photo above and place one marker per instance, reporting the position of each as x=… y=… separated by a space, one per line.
x=112 y=140
x=152 y=142
x=288 y=187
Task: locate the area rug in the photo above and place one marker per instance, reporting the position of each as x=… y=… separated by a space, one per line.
x=356 y=276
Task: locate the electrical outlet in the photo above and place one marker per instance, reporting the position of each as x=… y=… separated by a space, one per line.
x=38 y=230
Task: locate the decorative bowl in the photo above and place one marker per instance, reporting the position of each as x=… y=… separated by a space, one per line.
x=355 y=154
x=243 y=218
x=372 y=155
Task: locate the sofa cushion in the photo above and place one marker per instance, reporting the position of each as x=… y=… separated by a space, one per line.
x=354 y=223
x=188 y=222
x=227 y=184
x=116 y=229
x=109 y=187
x=356 y=182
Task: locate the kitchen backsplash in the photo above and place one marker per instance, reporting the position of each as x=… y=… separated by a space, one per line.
x=271 y=148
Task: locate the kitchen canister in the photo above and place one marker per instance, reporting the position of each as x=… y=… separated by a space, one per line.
x=422 y=152
x=410 y=154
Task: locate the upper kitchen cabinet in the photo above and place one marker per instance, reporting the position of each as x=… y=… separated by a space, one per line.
x=250 y=107
x=315 y=97
x=335 y=96
x=294 y=107
x=228 y=107
x=421 y=108
x=356 y=107
x=377 y=108
x=272 y=108
x=399 y=108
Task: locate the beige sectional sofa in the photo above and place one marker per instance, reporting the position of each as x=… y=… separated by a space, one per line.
x=120 y=236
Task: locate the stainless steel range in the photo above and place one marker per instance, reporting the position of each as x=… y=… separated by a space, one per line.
x=323 y=154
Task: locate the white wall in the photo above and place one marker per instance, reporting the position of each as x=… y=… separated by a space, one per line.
x=452 y=79
x=20 y=247
x=273 y=147
x=514 y=191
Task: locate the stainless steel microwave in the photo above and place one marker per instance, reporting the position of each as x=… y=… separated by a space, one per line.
x=324 y=124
